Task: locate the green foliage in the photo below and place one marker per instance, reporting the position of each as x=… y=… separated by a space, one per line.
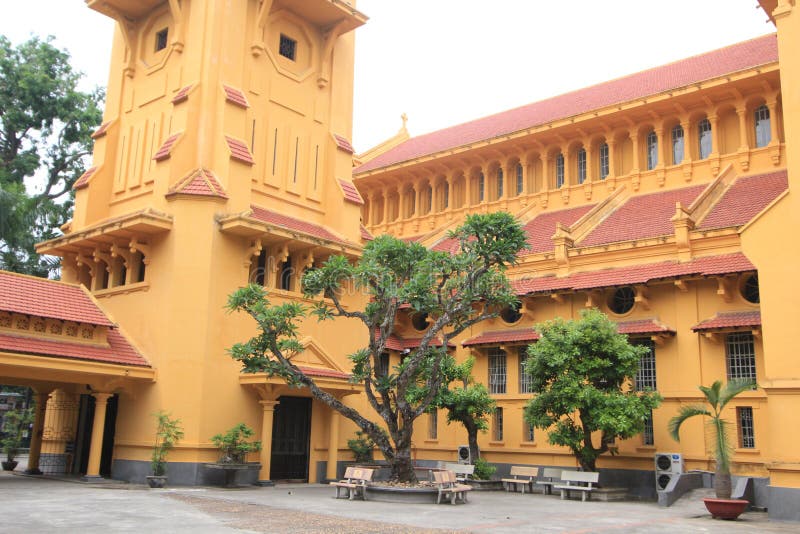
x=15 y=422
x=168 y=433
x=361 y=446
x=578 y=370
x=233 y=444
x=717 y=397
x=45 y=131
x=483 y=469
x=456 y=291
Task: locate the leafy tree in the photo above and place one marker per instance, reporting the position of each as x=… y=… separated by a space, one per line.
x=717 y=397
x=578 y=370
x=456 y=291
x=45 y=137
x=169 y=431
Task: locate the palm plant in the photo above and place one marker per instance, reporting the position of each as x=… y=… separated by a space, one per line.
x=717 y=397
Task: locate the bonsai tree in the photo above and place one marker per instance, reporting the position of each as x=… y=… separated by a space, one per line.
x=453 y=290
x=16 y=422
x=362 y=446
x=233 y=444
x=579 y=370
x=717 y=398
x=168 y=432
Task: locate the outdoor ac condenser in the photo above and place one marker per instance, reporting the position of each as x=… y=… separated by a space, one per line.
x=464 y=456
x=668 y=466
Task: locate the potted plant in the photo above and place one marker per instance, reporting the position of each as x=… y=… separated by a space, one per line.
x=168 y=432
x=233 y=444
x=717 y=397
x=15 y=423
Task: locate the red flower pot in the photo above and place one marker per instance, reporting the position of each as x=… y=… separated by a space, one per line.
x=725 y=508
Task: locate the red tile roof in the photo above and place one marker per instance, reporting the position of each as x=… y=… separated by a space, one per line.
x=200 y=182
x=448 y=244
x=540 y=229
x=343 y=143
x=102 y=130
x=502 y=337
x=235 y=96
x=83 y=181
x=724 y=320
x=745 y=199
x=738 y=57
x=642 y=217
x=120 y=351
x=290 y=223
x=395 y=342
x=239 y=150
x=636 y=274
x=165 y=151
x=643 y=326
x=47 y=298
x=325 y=373
x=365 y=235
x=182 y=95
x=351 y=194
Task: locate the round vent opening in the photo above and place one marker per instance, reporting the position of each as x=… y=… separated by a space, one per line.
x=663 y=462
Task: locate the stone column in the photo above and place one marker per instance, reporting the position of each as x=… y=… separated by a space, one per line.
x=714 y=120
x=468 y=188
x=773 y=122
x=450 y=179
x=385 y=219
x=333 y=445
x=98 y=428
x=612 y=160
x=401 y=200
x=265 y=457
x=743 y=143
x=636 y=153
x=417 y=199
x=38 y=428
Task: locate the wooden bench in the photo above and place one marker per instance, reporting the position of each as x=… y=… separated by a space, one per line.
x=523 y=476
x=462 y=471
x=354 y=482
x=550 y=476
x=577 y=481
x=448 y=486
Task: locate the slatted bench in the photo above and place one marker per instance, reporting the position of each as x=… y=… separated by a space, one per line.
x=523 y=476
x=577 y=481
x=462 y=471
x=354 y=482
x=449 y=487
x=550 y=476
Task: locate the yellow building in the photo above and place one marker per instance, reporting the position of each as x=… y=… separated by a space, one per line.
x=224 y=157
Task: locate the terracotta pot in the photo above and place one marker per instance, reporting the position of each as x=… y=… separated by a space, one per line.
x=725 y=508
x=9 y=465
x=156 y=482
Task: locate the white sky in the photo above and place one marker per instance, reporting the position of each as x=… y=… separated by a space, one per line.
x=444 y=62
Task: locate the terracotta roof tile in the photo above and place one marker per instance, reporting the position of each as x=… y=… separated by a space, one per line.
x=351 y=194
x=725 y=320
x=738 y=57
x=47 y=298
x=636 y=274
x=235 y=96
x=239 y=150
x=343 y=143
x=365 y=235
x=643 y=326
x=540 y=229
x=745 y=199
x=395 y=342
x=325 y=373
x=448 y=244
x=83 y=181
x=290 y=223
x=502 y=337
x=120 y=351
x=166 y=149
x=102 y=130
x=200 y=182
x=182 y=95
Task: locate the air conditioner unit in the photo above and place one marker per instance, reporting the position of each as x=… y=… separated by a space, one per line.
x=464 y=457
x=668 y=466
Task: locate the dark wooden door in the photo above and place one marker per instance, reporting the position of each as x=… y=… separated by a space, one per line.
x=291 y=439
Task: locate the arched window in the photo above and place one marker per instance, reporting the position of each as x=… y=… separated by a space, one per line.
x=481 y=187
x=581 y=166
x=603 y=153
x=704 y=138
x=762 y=125
x=652 y=151
x=519 y=179
x=677 y=144
x=559 y=171
x=499 y=183
x=429 y=199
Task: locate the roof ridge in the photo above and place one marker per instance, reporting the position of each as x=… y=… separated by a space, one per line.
x=39 y=278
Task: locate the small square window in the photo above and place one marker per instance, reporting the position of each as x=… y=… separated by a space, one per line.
x=288 y=47
x=161 y=39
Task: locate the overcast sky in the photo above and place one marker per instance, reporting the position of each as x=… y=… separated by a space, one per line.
x=443 y=62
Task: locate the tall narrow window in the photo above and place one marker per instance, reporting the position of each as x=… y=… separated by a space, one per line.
x=646 y=375
x=559 y=171
x=412 y=203
x=274 y=151
x=581 y=166
x=383 y=365
x=260 y=274
x=704 y=138
x=604 y=167
x=762 y=125
x=497 y=424
x=497 y=371
x=316 y=164
x=296 y=150
x=652 y=151
x=499 y=183
x=285 y=278
x=428 y=199
x=446 y=196
x=527 y=431
x=677 y=144
x=433 y=425
x=520 y=182
x=747 y=436
x=648 y=436
x=481 y=187
x=525 y=380
x=740 y=356
x=161 y=39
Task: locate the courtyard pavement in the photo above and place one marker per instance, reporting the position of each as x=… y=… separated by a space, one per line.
x=47 y=505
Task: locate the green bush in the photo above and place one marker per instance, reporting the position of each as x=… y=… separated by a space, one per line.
x=483 y=470
x=233 y=445
x=361 y=446
x=168 y=432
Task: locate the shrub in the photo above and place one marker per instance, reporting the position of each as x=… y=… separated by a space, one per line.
x=233 y=445
x=483 y=470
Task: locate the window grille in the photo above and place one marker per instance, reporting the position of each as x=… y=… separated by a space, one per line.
x=433 y=425
x=704 y=138
x=581 y=166
x=604 y=165
x=762 y=125
x=559 y=171
x=740 y=356
x=287 y=47
x=528 y=434
x=499 y=183
x=677 y=144
x=497 y=426
x=497 y=371
x=747 y=436
x=652 y=151
x=525 y=380
x=648 y=436
x=519 y=179
x=646 y=375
